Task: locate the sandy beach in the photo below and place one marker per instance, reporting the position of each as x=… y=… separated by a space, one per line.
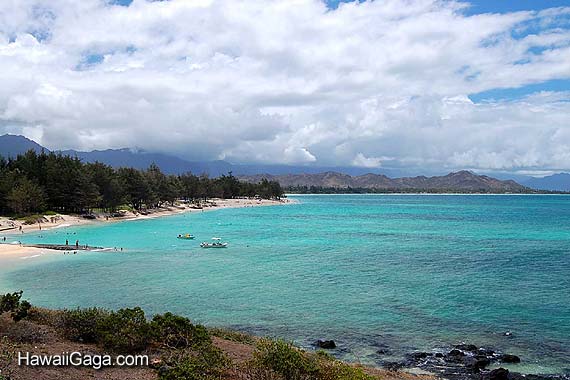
x=10 y=228
x=16 y=250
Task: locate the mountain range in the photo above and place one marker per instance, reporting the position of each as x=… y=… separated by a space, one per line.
x=12 y=145
x=339 y=177
x=555 y=182
x=458 y=181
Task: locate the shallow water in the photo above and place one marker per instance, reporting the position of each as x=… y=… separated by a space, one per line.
x=405 y=271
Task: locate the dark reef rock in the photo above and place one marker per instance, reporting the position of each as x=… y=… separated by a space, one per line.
x=416 y=356
x=383 y=349
x=326 y=344
x=392 y=366
x=499 y=374
x=467 y=362
x=506 y=358
x=476 y=363
x=485 y=352
x=456 y=352
x=467 y=347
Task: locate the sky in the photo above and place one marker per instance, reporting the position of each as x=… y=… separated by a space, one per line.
x=406 y=84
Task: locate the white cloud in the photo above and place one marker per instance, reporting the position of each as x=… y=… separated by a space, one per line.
x=366 y=162
x=288 y=81
x=298 y=155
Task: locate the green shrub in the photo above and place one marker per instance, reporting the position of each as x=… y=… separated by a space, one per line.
x=332 y=369
x=81 y=325
x=46 y=317
x=176 y=332
x=11 y=302
x=234 y=336
x=207 y=363
x=284 y=359
x=276 y=359
x=124 y=331
x=21 y=311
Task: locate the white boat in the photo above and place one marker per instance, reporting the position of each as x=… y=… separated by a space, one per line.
x=216 y=243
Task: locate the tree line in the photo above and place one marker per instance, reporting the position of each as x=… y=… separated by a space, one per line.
x=36 y=182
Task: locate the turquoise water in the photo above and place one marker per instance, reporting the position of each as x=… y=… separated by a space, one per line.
x=407 y=271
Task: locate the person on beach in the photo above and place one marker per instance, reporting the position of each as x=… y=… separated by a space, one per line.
x=66 y=242
x=76 y=243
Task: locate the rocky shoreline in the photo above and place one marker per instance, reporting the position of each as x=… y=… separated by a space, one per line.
x=467 y=361
x=457 y=362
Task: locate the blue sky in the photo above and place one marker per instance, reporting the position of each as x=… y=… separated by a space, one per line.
x=489 y=6
x=519 y=92
x=503 y=6
x=479 y=6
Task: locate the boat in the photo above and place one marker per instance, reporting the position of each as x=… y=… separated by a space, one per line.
x=186 y=237
x=216 y=243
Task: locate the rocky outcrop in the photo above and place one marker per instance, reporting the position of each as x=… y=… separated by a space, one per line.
x=464 y=362
x=506 y=358
x=499 y=374
x=326 y=344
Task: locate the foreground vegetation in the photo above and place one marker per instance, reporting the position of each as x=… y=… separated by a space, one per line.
x=33 y=183
x=186 y=351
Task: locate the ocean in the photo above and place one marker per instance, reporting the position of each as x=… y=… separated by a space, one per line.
x=397 y=272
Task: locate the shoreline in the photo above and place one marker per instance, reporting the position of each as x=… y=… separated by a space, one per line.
x=9 y=229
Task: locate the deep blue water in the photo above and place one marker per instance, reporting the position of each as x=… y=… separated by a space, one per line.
x=407 y=271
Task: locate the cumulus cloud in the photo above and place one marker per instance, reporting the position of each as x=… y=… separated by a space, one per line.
x=366 y=162
x=289 y=81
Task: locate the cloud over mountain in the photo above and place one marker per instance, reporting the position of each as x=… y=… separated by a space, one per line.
x=289 y=81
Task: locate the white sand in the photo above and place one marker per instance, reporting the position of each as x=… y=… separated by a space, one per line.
x=63 y=221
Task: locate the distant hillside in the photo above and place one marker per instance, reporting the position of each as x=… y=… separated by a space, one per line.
x=141 y=160
x=12 y=145
x=462 y=181
x=324 y=177
x=555 y=182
